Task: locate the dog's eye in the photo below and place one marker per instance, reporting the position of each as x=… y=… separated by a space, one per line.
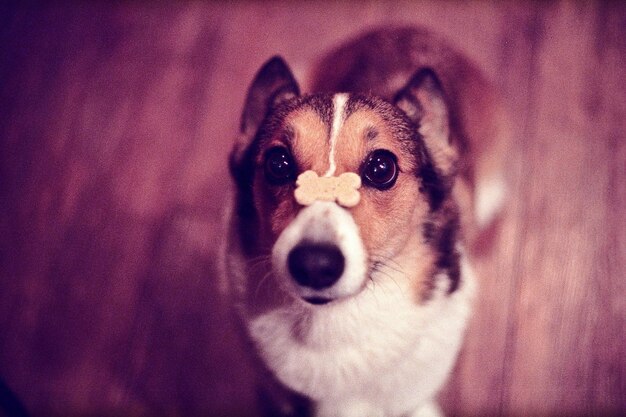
x=380 y=169
x=279 y=166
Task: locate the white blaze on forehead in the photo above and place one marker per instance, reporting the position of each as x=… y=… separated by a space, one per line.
x=339 y=105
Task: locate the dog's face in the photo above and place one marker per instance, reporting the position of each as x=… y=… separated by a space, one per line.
x=325 y=253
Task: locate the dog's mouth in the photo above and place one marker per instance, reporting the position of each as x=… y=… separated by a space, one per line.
x=318 y=301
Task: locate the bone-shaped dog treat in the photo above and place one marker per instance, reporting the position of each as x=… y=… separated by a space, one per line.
x=344 y=189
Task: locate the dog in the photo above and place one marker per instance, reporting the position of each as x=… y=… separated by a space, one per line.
x=346 y=254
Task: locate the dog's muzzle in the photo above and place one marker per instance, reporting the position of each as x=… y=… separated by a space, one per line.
x=320 y=256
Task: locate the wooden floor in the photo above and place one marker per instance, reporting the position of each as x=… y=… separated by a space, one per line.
x=115 y=125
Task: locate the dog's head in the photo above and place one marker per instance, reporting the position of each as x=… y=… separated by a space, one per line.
x=326 y=251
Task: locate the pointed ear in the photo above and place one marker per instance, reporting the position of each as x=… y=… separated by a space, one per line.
x=273 y=84
x=423 y=100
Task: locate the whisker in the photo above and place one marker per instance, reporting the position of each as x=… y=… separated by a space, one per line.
x=381 y=266
x=259 y=260
x=260 y=284
x=388 y=262
x=256 y=258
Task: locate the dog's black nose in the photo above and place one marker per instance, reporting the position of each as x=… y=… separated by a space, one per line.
x=316 y=265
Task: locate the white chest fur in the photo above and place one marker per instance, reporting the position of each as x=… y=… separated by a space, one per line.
x=377 y=354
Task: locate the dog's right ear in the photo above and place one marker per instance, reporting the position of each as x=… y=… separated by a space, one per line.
x=272 y=85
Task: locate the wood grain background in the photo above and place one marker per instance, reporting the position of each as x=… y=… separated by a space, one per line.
x=115 y=124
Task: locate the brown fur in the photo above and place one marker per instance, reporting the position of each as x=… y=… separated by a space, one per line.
x=308 y=140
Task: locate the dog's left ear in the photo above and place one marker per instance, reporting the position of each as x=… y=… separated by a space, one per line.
x=423 y=100
x=272 y=85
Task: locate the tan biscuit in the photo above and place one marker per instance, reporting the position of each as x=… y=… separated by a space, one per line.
x=343 y=189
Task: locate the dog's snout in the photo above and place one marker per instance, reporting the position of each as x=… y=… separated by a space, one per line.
x=316 y=265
